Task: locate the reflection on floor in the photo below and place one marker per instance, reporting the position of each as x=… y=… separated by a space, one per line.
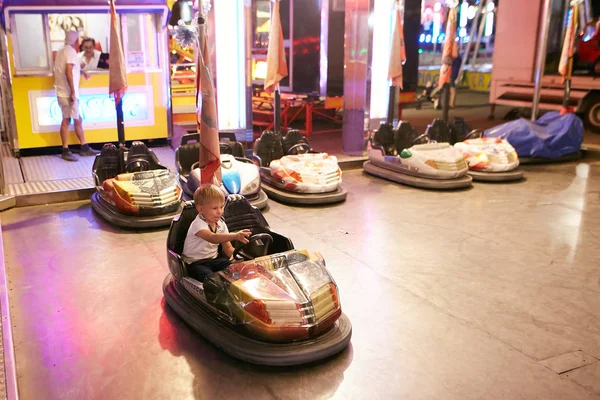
x=488 y=293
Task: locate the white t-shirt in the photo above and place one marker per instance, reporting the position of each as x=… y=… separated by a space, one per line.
x=64 y=56
x=93 y=64
x=196 y=248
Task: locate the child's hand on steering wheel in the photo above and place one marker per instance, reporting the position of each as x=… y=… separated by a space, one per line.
x=242 y=235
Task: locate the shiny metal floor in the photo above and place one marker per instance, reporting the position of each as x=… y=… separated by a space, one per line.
x=488 y=293
x=50 y=173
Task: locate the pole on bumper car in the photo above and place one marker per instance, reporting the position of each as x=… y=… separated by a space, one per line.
x=356 y=56
x=565 y=66
x=540 y=57
x=206 y=106
x=397 y=60
x=117 y=80
x=449 y=53
x=276 y=64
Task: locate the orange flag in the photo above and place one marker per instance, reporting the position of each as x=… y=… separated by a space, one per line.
x=450 y=51
x=276 y=65
x=117 y=78
x=398 y=55
x=566 y=56
x=206 y=112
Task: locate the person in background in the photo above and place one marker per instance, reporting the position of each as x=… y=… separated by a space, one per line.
x=456 y=63
x=88 y=55
x=66 y=82
x=91 y=59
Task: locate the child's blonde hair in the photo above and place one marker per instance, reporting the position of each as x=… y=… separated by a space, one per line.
x=207 y=194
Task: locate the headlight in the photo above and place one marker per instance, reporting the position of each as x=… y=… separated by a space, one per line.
x=252 y=187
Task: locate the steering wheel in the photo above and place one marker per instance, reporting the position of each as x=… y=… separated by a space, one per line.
x=474 y=134
x=419 y=138
x=138 y=166
x=266 y=240
x=297 y=148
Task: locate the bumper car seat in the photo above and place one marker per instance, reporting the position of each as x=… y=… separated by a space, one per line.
x=294 y=142
x=176 y=239
x=405 y=136
x=229 y=145
x=140 y=158
x=240 y=214
x=107 y=164
x=268 y=148
x=187 y=154
x=384 y=137
x=438 y=131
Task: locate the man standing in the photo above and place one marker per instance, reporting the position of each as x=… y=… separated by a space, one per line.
x=67 y=72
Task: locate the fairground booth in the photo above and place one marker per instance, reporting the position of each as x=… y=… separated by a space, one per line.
x=35 y=31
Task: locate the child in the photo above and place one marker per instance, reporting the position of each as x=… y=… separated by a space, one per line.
x=207 y=232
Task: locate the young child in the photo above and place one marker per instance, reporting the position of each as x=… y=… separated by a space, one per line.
x=207 y=232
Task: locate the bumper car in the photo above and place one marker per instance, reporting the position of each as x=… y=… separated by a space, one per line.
x=489 y=159
x=273 y=305
x=403 y=156
x=291 y=172
x=133 y=190
x=552 y=138
x=239 y=174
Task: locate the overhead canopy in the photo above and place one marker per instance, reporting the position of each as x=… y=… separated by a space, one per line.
x=82 y=6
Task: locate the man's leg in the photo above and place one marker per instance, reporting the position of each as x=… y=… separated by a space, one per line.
x=65 y=108
x=86 y=150
x=64 y=137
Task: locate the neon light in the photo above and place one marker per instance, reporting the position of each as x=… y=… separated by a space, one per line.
x=97 y=110
x=489 y=21
x=464 y=10
x=422 y=38
x=382 y=41
x=231 y=63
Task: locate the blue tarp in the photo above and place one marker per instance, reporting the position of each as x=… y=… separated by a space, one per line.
x=551 y=136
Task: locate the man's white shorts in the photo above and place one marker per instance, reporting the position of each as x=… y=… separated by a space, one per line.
x=69 y=110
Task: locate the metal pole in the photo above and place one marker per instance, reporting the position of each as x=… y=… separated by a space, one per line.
x=445 y=102
x=277 y=110
x=392 y=105
x=541 y=57
x=120 y=122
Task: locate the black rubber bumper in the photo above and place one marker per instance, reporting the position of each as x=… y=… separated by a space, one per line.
x=507 y=176
x=423 y=183
x=538 y=160
x=285 y=196
x=112 y=215
x=251 y=350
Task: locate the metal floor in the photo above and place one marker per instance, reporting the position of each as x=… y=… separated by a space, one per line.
x=487 y=293
x=50 y=173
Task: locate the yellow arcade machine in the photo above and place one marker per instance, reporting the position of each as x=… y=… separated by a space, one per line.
x=35 y=30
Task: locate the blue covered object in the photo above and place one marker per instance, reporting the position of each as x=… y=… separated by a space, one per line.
x=551 y=136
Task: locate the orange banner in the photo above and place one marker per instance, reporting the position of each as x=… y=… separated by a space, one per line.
x=450 y=51
x=276 y=64
x=206 y=113
x=117 y=78
x=566 y=55
x=398 y=54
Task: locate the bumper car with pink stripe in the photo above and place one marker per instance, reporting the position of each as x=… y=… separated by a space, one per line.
x=291 y=172
x=490 y=159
